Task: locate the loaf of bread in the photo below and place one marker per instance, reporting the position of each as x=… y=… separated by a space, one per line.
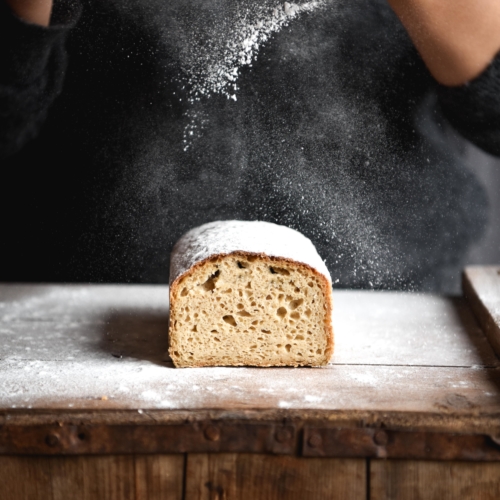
x=248 y=293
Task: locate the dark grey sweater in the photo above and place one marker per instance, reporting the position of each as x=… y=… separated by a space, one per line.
x=337 y=131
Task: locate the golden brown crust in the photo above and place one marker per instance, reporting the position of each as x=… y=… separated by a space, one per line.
x=325 y=283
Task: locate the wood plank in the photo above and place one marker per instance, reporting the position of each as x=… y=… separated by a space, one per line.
x=159 y=477
x=416 y=480
x=111 y=477
x=92 y=477
x=48 y=322
x=60 y=349
x=408 y=329
x=25 y=478
x=334 y=389
x=481 y=287
x=242 y=476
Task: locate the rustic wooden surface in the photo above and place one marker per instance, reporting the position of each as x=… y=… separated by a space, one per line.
x=68 y=349
x=95 y=356
x=111 y=477
x=481 y=286
x=416 y=480
x=243 y=476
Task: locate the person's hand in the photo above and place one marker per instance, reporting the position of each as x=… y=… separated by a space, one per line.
x=32 y=11
x=457 y=39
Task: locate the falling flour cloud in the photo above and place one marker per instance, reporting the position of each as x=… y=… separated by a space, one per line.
x=212 y=65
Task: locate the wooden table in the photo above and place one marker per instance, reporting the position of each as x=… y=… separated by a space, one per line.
x=92 y=408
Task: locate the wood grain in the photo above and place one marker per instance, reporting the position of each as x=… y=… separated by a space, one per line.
x=418 y=480
x=111 y=477
x=159 y=477
x=244 y=476
x=481 y=287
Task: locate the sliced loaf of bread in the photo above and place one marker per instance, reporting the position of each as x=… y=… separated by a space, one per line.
x=249 y=293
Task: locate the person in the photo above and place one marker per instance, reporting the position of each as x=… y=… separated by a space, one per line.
x=336 y=129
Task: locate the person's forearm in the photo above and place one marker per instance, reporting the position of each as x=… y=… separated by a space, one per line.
x=32 y=11
x=457 y=39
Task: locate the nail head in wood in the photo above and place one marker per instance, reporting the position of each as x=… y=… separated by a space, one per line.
x=212 y=433
x=282 y=435
x=381 y=438
x=314 y=440
x=52 y=440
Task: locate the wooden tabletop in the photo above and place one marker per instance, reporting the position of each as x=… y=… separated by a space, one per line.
x=411 y=360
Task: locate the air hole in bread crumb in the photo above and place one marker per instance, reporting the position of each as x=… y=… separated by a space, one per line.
x=240 y=306
x=184 y=292
x=229 y=290
x=268 y=297
x=254 y=322
x=279 y=270
x=281 y=312
x=311 y=284
x=209 y=285
x=295 y=315
x=288 y=347
x=266 y=331
x=308 y=313
x=299 y=337
x=216 y=339
x=194 y=329
x=295 y=303
x=319 y=351
x=214 y=331
x=229 y=319
x=242 y=264
x=244 y=313
x=249 y=285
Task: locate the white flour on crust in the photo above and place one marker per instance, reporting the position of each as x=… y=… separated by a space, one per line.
x=224 y=237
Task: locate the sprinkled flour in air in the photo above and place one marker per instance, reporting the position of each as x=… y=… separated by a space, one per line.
x=214 y=58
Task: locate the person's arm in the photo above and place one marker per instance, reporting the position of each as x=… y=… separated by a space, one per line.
x=32 y=11
x=457 y=39
x=32 y=66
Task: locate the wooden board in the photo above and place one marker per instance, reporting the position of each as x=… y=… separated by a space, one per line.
x=242 y=477
x=415 y=480
x=481 y=286
x=150 y=477
x=98 y=352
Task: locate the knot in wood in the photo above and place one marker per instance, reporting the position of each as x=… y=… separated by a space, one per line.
x=52 y=439
x=283 y=435
x=381 y=438
x=212 y=433
x=314 y=440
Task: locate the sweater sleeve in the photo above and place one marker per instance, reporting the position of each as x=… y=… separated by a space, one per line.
x=32 y=67
x=474 y=108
